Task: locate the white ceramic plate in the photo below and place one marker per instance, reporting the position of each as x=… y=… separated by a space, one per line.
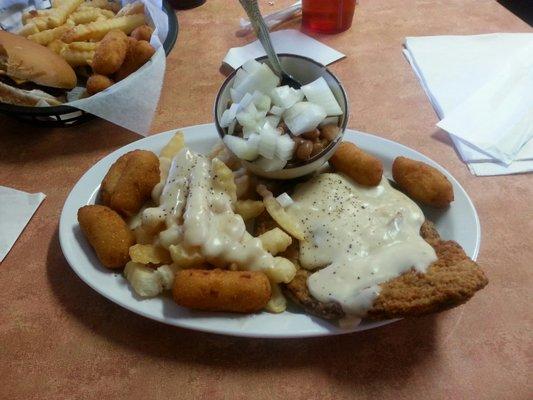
x=460 y=223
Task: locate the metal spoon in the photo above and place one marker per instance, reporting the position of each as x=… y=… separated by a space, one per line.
x=261 y=30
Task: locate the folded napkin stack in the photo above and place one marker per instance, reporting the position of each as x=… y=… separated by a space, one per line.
x=482 y=89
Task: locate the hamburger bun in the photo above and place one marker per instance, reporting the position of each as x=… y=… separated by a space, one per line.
x=21 y=97
x=25 y=61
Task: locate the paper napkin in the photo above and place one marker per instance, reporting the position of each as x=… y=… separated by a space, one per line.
x=284 y=41
x=16 y=209
x=497 y=118
x=452 y=69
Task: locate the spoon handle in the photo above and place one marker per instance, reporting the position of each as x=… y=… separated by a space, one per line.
x=261 y=30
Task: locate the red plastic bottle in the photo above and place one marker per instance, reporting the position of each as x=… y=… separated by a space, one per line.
x=327 y=16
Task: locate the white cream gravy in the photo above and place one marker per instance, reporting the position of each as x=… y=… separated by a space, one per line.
x=199 y=216
x=359 y=236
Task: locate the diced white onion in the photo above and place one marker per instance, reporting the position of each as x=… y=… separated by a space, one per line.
x=261 y=101
x=266 y=127
x=253 y=141
x=330 y=121
x=303 y=117
x=260 y=115
x=249 y=116
x=240 y=147
x=248 y=130
x=268 y=143
x=273 y=120
x=245 y=101
x=284 y=200
x=270 y=165
x=284 y=147
x=246 y=120
x=235 y=95
x=261 y=79
x=318 y=92
x=239 y=77
x=232 y=126
x=251 y=66
x=229 y=115
x=275 y=110
x=285 y=96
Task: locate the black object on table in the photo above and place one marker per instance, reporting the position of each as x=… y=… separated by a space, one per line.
x=63 y=116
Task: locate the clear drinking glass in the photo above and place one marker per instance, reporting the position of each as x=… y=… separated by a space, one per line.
x=327 y=16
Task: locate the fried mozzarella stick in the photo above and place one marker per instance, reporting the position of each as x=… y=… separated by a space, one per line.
x=422 y=182
x=362 y=167
x=222 y=290
x=107 y=234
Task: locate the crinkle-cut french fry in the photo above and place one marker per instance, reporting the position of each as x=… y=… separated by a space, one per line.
x=41 y=23
x=28 y=29
x=245 y=186
x=83 y=46
x=275 y=241
x=249 y=209
x=77 y=58
x=49 y=35
x=283 y=270
x=141 y=236
x=174 y=146
x=103 y=4
x=59 y=15
x=98 y=29
x=131 y=9
x=149 y=254
x=107 y=13
x=277 y=302
x=286 y=221
x=36 y=25
x=184 y=258
x=223 y=179
x=86 y=15
x=29 y=15
x=57 y=46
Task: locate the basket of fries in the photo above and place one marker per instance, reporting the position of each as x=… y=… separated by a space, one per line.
x=63 y=59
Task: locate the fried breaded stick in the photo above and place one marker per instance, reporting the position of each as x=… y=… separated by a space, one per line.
x=107 y=234
x=422 y=182
x=221 y=290
x=362 y=167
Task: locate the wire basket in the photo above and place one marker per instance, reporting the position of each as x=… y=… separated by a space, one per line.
x=66 y=115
